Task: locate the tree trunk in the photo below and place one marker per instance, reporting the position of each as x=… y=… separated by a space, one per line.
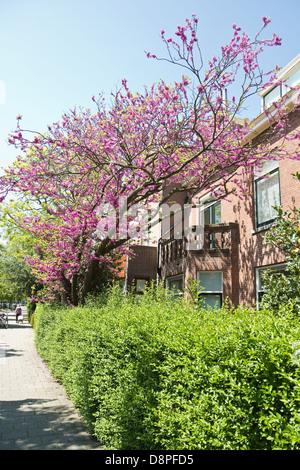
x=74 y=290
x=66 y=294
x=88 y=280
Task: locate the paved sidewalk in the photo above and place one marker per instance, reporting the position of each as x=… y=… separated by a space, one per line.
x=35 y=412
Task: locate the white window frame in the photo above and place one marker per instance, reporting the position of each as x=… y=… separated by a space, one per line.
x=258 y=271
x=290 y=76
x=267 y=102
x=141 y=289
x=206 y=292
x=207 y=203
x=269 y=168
x=174 y=278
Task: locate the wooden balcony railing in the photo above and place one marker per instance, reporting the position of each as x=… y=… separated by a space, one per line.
x=216 y=238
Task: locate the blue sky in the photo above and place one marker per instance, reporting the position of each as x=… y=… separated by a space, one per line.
x=55 y=54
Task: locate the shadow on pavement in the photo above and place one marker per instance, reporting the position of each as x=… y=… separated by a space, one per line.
x=33 y=424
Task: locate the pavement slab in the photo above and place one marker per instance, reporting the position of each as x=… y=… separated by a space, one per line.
x=35 y=412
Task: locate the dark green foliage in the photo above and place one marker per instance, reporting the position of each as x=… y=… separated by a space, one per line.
x=31 y=306
x=16 y=279
x=154 y=373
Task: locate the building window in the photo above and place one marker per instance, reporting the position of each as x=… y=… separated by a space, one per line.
x=290 y=80
x=211 y=288
x=260 y=288
x=267 y=197
x=272 y=96
x=175 y=285
x=140 y=285
x=212 y=213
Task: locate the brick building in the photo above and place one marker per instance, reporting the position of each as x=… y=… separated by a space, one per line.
x=230 y=262
x=141 y=268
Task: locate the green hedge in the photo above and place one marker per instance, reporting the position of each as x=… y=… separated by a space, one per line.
x=151 y=373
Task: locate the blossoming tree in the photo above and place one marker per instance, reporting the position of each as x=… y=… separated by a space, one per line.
x=131 y=151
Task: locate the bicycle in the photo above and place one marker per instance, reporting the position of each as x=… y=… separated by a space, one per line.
x=3 y=320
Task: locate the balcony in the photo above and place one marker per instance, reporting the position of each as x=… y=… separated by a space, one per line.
x=218 y=239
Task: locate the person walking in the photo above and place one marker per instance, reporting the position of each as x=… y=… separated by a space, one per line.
x=18 y=312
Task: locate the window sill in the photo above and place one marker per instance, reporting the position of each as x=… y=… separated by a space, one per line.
x=263 y=229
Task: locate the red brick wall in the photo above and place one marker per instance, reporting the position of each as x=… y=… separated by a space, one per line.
x=218 y=259
x=248 y=248
x=239 y=274
x=143 y=264
x=253 y=251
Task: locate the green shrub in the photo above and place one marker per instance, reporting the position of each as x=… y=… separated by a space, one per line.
x=31 y=306
x=155 y=373
x=32 y=320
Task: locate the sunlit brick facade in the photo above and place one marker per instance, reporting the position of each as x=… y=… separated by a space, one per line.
x=229 y=264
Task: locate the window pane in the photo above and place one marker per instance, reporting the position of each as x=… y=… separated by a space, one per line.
x=212 y=300
x=268 y=167
x=207 y=216
x=216 y=213
x=260 y=281
x=210 y=281
x=293 y=80
x=272 y=96
x=140 y=285
x=277 y=269
x=212 y=215
x=267 y=196
x=175 y=285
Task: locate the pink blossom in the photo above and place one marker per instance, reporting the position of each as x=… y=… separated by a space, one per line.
x=266 y=20
x=130 y=148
